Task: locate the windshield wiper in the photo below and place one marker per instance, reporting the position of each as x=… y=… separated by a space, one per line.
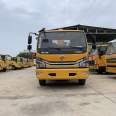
x=51 y=48
x=81 y=48
x=76 y=46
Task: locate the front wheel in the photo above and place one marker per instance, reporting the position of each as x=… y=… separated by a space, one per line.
x=82 y=81
x=4 y=69
x=13 y=67
x=42 y=82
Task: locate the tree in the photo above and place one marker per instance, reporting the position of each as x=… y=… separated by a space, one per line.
x=25 y=55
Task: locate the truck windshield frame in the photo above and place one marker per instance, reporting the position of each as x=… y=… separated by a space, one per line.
x=0 y=57
x=69 y=42
x=111 y=48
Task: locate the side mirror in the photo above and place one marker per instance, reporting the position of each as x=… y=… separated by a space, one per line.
x=29 y=47
x=94 y=46
x=29 y=39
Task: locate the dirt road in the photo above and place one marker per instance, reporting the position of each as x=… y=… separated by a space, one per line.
x=21 y=95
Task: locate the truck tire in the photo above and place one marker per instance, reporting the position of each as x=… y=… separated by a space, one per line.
x=101 y=70
x=42 y=82
x=4 y=69
x=82 y=81
x=13 y=67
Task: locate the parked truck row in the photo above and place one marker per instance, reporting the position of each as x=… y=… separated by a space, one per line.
x=11 y=63
x=103 y=59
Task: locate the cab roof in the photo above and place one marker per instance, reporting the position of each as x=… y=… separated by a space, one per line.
x=113 y=41
x=61 y=30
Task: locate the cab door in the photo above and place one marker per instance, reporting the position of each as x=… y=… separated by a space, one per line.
x=111 y=59
x=111 y=63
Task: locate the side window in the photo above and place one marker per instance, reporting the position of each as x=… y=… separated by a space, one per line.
x=0 y=58
x=114 y=48
x=111 y=49
x=18 y=59
x=3 y=57
x=21 y=60
x=108 y=50
x=40 y=40
x=9 y=58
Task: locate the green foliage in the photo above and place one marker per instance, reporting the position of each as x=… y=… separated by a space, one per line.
x=25 y=54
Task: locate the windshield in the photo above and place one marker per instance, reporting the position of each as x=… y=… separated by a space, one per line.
x=9 y=58
x=3 y=57
x=62 y=42
x=14 y=59
x=111 y=48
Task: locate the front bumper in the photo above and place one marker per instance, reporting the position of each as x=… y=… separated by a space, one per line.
x=62 y=74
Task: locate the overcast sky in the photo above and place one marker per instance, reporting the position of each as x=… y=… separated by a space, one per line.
x=18 y=17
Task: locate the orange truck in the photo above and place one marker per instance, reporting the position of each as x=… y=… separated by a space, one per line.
x=111 y=57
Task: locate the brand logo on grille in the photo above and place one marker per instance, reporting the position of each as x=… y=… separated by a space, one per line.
x=61 y=58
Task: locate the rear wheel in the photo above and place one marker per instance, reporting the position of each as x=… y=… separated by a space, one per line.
x=42 y=82
x=82 y=81
x=101 y=70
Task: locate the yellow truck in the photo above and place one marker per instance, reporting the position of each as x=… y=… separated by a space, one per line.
x=7 y=62
x=17 y=63
x=61 y=55
x=97 y=58
x=105 y=58
x=111 y=57
x=2 y=63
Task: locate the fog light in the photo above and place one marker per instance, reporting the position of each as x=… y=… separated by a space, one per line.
x=85 y=73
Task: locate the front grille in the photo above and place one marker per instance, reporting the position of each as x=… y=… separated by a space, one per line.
x=62 y=63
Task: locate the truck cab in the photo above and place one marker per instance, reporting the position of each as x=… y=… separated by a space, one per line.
x=101 y=58
x=61 y=55
x=17 y=62
x=105 y=60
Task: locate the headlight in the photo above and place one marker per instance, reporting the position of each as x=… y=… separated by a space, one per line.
x=84 y=63
x=43 y=64
x=40 y=63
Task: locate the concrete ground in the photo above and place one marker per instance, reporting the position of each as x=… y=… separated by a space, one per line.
x=21 y=95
